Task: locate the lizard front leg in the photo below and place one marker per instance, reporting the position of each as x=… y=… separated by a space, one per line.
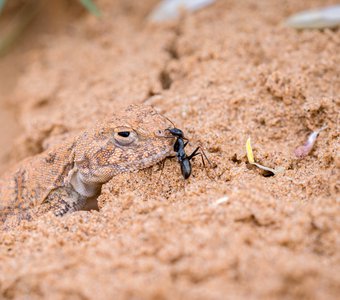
x=63 y=200
x=59 y=201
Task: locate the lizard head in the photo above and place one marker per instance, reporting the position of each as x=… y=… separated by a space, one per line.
x=136 y=139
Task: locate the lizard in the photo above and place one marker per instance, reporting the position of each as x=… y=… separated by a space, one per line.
x=62 y=179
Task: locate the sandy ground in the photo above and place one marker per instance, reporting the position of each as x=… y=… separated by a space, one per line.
x=227 y=72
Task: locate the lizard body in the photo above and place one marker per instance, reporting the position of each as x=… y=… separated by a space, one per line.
x=63 y=178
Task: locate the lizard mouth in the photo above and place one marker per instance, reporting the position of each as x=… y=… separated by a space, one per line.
x=149 y=161
x=106 y=173
x=163 y=133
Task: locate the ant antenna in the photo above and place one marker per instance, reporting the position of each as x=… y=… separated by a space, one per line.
x=170 y=121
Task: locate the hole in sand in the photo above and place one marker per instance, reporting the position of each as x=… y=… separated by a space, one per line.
x=165 y=80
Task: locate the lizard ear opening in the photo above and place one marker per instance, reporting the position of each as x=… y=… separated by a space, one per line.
x=124 y=136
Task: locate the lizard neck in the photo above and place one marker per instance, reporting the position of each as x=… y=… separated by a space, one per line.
x=85 y=189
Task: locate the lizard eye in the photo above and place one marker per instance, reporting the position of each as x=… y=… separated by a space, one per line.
x=124 y=136
x=124 y=133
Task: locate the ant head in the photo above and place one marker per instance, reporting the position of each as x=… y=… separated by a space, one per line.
x=176 y=132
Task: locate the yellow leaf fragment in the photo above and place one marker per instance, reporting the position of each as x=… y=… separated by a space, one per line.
x=249 y=150
x=251 y=160
x=278 y=170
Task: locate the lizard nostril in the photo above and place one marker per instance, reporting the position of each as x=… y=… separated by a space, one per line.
x=159 y=132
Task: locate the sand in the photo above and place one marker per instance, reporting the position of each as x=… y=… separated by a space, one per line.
x=222 y=74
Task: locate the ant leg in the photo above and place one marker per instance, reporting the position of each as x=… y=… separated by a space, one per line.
x=195 y=153
x=206 y=157
x=202 y=153
x=203 y=157
x=211 y=165
x=162 y=169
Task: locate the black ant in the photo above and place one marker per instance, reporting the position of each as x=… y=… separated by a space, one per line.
x=182 y=157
